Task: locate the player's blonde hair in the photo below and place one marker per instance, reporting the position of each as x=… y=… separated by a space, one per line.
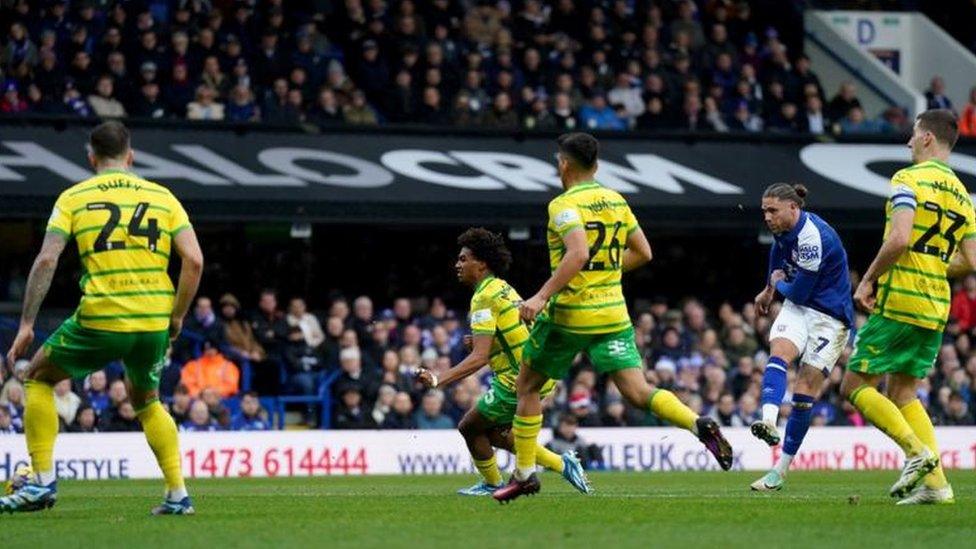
x=793 y=192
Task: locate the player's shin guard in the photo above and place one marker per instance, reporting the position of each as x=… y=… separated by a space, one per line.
x=525 y=430
x=918 y=419
x=548 y=459
x=40 y=428
x=773 y=389
x=489 y=470
x=885 y=416
x=162 y=436
x=665 y=405
x=796 y=428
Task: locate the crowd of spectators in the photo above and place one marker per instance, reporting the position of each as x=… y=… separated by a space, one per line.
x=713 y=360
x=705 y=66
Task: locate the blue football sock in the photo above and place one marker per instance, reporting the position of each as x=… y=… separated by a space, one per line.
x=773 y=388
x=798 y=424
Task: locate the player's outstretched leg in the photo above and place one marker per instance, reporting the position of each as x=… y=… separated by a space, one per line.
x=665 y=405
x=40 y=428
x=773 y=390
x=884 y=414
x=475 y=428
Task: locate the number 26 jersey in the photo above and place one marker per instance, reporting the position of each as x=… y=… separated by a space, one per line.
x=915 y=290
x=593 y=301
x=124 y=228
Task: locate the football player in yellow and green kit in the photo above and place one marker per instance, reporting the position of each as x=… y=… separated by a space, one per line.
x=126 y=228
x=497 y=339
x=593 y=239
x=930 y=221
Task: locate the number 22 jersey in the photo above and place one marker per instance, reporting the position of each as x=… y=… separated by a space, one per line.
x=915 y=290
x=124 y=228
x=593 y=301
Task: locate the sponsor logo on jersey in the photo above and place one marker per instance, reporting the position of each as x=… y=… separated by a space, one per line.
x=809 y=252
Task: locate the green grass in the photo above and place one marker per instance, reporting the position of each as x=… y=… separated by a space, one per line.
x=627 y=510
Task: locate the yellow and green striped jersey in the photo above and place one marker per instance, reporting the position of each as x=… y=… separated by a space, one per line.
x=124 y=227
x=494 y=312
x=593 y=301
x=915 y=290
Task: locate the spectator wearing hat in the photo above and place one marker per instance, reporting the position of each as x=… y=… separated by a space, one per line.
x=580 y=404
x=352 y=413
x=12 y=102
x=431 y=413
x=211 y=370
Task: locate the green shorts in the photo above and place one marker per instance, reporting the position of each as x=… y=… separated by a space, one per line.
x=80 y=351
x=550 y=350
x=498 y=404
x=886 y=346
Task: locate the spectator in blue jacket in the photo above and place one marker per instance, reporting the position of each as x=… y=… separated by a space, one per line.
x=252 y=416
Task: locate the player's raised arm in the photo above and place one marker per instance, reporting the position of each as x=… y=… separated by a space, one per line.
x=894 y=245
x=38 y=284
x=191 y=271
x=476 y=359
x=571 y=264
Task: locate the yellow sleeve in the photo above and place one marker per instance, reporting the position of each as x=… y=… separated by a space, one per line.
x=970 y=223
x=564 y=217
x=179 y=220
x=631 y=220
x=483 y=320
x=904 y=191
x=61 y=218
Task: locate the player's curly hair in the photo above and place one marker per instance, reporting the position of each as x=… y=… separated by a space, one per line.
x=488 y=247
x=795 y=192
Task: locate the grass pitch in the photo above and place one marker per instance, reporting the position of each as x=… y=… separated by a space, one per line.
x=627 y=510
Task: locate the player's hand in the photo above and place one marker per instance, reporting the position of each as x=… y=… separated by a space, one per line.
x=864 y=296
x=468 y=343
x=776 y=276
x=763 y=300
x=25 y=336
x=426 y=377
x=175 y=327
x=530 y=308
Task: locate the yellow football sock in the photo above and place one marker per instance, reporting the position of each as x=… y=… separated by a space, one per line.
x=489 y=470
x=918 y=419
x=548 y=459
x=40 y=425
x=160 y=431
x=525 y=430
x=885 y=416
x=665 y=405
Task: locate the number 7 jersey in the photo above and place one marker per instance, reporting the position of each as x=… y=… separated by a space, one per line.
x=593 y=301
x=915 y=290
x=124 y=227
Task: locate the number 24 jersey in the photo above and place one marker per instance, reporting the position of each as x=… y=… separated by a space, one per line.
x=124 y=228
